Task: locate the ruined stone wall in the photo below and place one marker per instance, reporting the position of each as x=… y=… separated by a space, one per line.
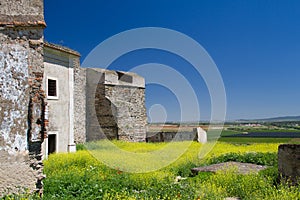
x=115 y=106
x=22 y=104
x=130 y=111
x=106 y=113
x=93 y=96
x=22 y=126
x=170 y=136
x=289 y=163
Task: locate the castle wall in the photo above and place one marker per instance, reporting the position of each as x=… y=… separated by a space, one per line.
x=115 y=106
x=170 y=136
x=93 y=108
x=22 y=126
x=130 y=111
x=22 y=11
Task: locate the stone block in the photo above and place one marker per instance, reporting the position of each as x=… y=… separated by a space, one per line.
x=201 y=135
x=289 y=163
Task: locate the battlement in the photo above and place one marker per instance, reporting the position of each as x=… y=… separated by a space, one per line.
x=120 y=78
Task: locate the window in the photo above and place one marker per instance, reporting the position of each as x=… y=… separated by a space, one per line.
x=52 y=88
x=51 y=143
x=124 y=77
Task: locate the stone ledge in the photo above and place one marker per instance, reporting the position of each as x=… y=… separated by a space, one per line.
x=242 y=168
x=21 y=20
x=114 y=78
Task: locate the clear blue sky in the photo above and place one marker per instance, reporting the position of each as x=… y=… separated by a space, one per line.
x=255 y=45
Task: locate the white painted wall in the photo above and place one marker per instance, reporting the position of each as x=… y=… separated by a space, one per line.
x=61 y=109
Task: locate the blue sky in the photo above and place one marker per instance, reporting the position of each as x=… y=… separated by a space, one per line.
x=255 y=45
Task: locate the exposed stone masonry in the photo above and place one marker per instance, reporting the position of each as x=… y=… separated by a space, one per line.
x=79 y=103
x=115 y=106
x=22 y=13
x=289 y=163
x=130 y=114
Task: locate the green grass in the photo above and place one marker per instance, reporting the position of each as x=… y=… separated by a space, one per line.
x=229 y=132
x=81 y=176
x=246 y=140
x=225 y=136
x=261 y=130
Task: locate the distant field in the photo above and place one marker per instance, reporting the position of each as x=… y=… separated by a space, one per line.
x=259 y=130
x=172 y=128
x=253 y=135
x=245 y=140
x=260 y=136
x=267 y=135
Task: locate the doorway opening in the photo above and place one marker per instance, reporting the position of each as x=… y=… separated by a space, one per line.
x=51 y=144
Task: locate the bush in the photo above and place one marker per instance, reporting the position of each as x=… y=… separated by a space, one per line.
x=22 y=196
x=80 y=147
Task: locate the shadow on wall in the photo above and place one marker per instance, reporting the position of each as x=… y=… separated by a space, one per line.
x=101 y=112
x=115 y=106
x=106 y=113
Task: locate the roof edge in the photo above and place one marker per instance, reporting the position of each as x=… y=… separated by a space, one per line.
x=62 y=48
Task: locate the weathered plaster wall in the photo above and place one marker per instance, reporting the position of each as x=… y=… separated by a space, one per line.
x=21 y=96
x=59 y=65
x=14 y=96
x=15 y=171
x=22 y=104
x=59 y=108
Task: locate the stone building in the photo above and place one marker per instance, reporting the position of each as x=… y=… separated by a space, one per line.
x=86 y=104
x=115 y=105
x=58 y=84
x=49 y=103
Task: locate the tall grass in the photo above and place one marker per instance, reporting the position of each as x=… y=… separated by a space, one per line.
x=81 y=176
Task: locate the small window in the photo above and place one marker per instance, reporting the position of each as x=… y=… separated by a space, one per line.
x=124 y=77
x=52 y=88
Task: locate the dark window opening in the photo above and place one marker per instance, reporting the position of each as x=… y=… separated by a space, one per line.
x=51 y=144
x=52 y=88
x=124 y=77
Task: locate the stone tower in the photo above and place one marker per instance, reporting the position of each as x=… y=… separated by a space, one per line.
x=115 y=105
x=22 y=119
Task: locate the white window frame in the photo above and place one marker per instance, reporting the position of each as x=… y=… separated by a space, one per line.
x=57 y=88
